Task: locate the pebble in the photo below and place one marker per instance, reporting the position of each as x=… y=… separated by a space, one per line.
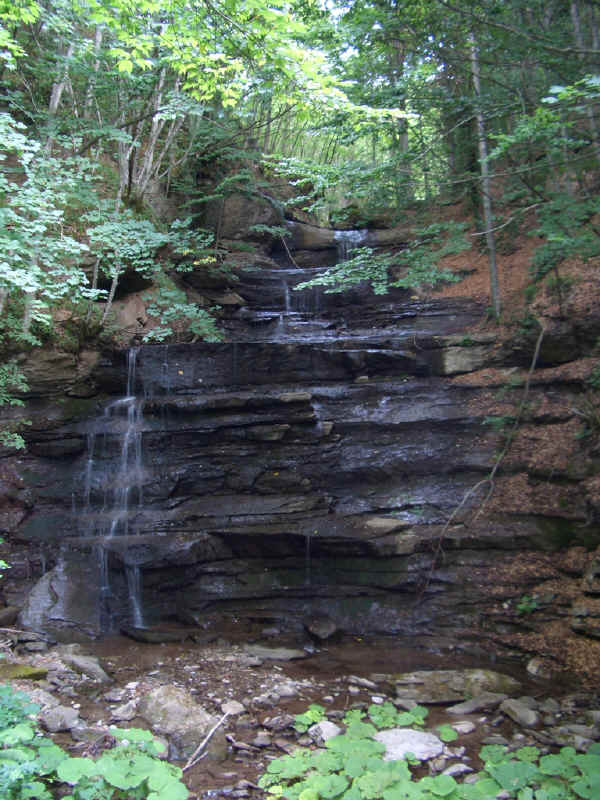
x=457 y=769
x=232 y=707
x=464 y=726
x=324 y=730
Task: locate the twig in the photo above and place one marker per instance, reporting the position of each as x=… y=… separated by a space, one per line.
x=287 y=250
x=194 y=758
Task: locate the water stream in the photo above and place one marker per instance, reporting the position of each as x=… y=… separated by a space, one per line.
x=113 y=489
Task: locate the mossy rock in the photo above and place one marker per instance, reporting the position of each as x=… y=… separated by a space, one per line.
x=22 y=672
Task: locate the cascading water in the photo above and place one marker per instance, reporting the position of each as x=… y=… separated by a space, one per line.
x=113 y=495
x=347 y=241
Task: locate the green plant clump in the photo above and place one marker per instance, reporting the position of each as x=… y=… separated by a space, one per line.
x=352 y=767
x=32 y=767
x=527 y=605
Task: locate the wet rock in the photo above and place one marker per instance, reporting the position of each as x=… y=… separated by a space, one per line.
x=486 y=701
x=454 y=770
x=42 y=698
x=279 y=723
x=321 y=626
x=34 y=647
x=174 y=713
x=561 y=736
x=156 y=635
x=400 y=741
x=86 y=665
x=125 y=712
x=59 y=718
x=8 y=616
x=66 y=598
x=364 y=682
x=233 y=708
x=114 y=695
x=447 y=686
x=274 y=653
x=464 y=726
x=262 y=739
x=322 y=731
x=520 y=713
x=287 y=689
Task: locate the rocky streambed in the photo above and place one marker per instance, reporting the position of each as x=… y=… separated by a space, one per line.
x=248 y=690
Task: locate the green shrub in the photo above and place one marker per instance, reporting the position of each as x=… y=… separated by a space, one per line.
x=351 y=767
x=31 y=765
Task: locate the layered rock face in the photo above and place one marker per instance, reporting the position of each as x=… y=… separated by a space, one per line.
x=312 y=466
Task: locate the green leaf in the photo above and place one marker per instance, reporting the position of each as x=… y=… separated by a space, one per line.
x=17 y=734
x=447 y=733
x=443 y=785
x=513 y=775
x=494 y=753
x=72 y=770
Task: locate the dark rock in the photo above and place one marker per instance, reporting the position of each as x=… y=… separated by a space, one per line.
x=591 y=578
x=8 y=616
x=157 y=635
x=321 y=626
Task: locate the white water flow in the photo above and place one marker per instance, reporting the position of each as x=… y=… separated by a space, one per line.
x=134 y=586
x=121 y=487
x=347 y=241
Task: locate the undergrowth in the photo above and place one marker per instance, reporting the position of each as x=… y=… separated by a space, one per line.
x=32 y=767
x=351 y=766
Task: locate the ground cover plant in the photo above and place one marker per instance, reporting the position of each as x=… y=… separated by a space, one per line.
x=32 y=767
x=351 y=766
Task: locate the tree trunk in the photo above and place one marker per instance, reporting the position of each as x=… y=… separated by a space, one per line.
x=485 y=180
x=56 y=94
x=91 y=88
x=589 y=110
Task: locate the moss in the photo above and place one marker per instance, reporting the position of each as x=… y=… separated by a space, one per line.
x=22 y=672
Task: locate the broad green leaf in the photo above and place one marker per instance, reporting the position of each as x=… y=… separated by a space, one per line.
x=72 y=770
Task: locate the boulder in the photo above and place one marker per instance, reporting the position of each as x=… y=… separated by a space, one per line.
x=400 y=741
x=274 y=653
x=520 y=713
x=173 y=712
x=59 y=718
x=321 y=626
x=452 y=685
x=486 y=701
x=65 y=599
x=86 y=665
x=322 y=731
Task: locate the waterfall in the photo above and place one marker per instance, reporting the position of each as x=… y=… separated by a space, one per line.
x=113 y=492
x=347 y=241
x=134 y=587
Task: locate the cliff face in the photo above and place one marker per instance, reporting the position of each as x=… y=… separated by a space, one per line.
x=311 y=466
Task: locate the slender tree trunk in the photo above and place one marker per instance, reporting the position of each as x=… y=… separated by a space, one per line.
x=111 y=296
x=589 y=110
x=56 y=93
x=88 y=105
x=140 y=180
x=485 y=181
